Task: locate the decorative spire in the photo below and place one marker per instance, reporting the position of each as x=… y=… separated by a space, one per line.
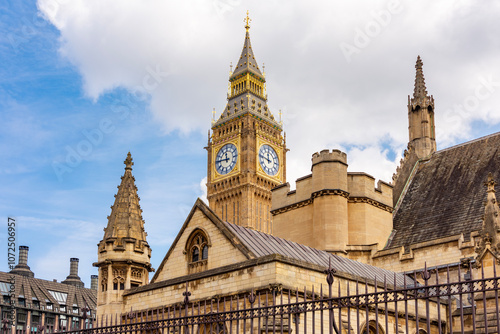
x=420 y=91
x=491 y=220
x=421 y=129
x=246 y=88
x=247 y=61
x=125 y=220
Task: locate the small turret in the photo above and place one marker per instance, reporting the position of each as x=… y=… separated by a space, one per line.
x=330 y=193
x=422 y=136
x=123 y=253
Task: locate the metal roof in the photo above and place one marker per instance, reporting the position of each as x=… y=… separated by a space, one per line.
x=263 y=244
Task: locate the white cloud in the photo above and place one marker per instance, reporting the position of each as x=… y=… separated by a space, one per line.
x=203 y=188
x=327 y=101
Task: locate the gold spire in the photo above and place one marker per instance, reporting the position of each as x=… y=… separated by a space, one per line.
x=247 y=22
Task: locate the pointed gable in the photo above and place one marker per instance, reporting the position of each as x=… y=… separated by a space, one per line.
x=223 y=247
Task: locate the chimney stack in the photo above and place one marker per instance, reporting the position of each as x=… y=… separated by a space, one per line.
x=22 y=268
x=23 y=255
x=93 y=282
x=73 y=278
x=73 y=266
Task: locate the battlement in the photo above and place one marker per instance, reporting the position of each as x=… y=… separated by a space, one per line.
x=327 y=156
x=332 y=208
x=362 y=185
x=331 y=177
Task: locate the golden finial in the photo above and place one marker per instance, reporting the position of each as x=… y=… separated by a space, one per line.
x=247 y=21
x=213 y=116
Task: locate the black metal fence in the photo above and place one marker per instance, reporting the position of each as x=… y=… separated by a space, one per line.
x=466 y=306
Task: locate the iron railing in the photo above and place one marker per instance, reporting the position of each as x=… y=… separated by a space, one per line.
x=465 y=306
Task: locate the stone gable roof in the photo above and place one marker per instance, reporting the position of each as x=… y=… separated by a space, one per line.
x=446 y=196
x=259 y=245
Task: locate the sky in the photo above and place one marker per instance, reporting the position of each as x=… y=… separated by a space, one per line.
x=83 y=82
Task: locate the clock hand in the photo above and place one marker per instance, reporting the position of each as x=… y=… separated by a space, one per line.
x=226 y=160
x=263 y=157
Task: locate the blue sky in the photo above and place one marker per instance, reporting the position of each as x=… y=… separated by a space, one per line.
x=101 y=78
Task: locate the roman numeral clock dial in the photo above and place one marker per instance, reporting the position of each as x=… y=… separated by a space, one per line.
x=226 y=159
x=269 y=160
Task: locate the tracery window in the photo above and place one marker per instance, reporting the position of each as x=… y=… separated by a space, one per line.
x=118 y=283
x=198 y=247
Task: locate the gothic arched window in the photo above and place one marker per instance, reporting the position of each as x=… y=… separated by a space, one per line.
x=197 y=247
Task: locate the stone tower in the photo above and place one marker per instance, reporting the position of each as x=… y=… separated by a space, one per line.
x=421 y=117
x=422 y=136
x=123 y=253
x=246 y=149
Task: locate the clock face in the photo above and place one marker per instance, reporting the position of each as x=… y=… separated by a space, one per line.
x=226 y=159
x=269 y=160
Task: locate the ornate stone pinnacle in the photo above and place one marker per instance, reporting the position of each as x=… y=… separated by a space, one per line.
x=490 y=183
x=491 y=221
x=128 y=161
x=420 y=89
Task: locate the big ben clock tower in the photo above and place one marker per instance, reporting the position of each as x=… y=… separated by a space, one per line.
x=246 y=149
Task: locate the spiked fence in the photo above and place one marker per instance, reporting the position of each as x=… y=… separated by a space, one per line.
x=465 y=306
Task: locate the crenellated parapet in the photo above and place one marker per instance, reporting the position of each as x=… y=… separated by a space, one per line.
x=331 y=208
x=362 y=190
x=329 y=156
